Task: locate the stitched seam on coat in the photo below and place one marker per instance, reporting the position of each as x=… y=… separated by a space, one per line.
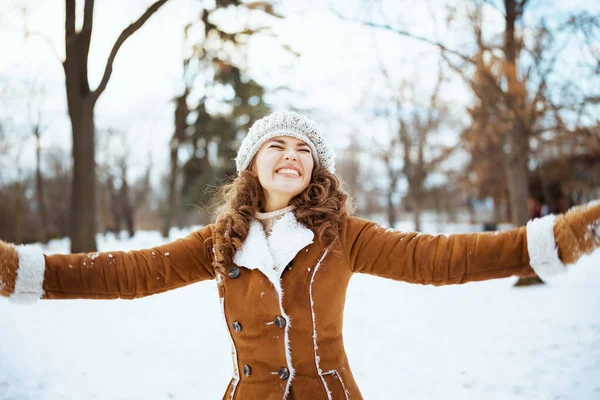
x=343 y=385
x=334 y=372
x=314 y=324
x=287 y=345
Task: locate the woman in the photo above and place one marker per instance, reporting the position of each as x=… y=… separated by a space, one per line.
x=283 y=250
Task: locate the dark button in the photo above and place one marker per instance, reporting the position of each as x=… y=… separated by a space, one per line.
x=236 y=326
x=280 y=321
x=234 y=272
x=289 y=264
x=247 y=370
x=284 y=373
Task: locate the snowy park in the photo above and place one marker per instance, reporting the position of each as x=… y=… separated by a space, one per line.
x=483 y=340
x=361 y=156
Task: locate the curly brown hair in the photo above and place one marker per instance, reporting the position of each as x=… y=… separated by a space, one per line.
x=320 y=207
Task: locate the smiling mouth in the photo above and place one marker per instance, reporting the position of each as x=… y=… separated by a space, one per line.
x=288 y=172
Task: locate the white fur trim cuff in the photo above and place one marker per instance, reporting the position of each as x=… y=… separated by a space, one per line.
x=30 y=275
x=541 y=245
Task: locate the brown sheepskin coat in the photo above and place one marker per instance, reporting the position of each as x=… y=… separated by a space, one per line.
x=286 y=331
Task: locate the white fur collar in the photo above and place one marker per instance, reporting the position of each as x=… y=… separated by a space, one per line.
x=270 y=254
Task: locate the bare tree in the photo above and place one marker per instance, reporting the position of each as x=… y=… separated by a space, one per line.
x=81 y=101
x=179 y=136
x=411 y=152
x=125 y=201
x=19 y=193
x=57 y=187
x=390 y=157
x=35 y=108
x=118 y=200
x=525 y=105
x=415 y=134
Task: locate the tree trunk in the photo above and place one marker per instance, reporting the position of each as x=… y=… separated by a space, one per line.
x=416 y=205
x=39 y=185
x=517 y=174
x=391 y=210
x=181 y=113
x=172 y=195
x=81 y=101
x=83 y=196
x=114 y=208
x=517 y=139
x=516 y=155
x=125 y=203
x=81 y=104
x=18 y=213
x=498 y=207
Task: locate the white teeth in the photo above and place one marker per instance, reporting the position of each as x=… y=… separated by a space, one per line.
x=288 y=171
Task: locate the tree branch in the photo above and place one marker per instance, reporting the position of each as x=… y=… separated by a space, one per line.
x=88 y=16
x=127 y=32
x=405 y=34
x=69 y=19
x=495 y=7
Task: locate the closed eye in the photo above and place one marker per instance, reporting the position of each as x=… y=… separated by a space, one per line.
x=277 y=146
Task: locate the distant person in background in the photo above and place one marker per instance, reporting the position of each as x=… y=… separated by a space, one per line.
x=282 y=252
x=545 y=210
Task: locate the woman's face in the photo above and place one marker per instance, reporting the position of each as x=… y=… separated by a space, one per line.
x=284 y=166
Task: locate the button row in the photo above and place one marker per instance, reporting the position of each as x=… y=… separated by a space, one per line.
x=283 y=372
x=279 y=321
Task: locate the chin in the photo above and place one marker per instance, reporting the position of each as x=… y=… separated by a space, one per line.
x=290 y=190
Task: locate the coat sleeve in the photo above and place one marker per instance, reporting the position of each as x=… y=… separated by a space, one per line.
x=114 y=274
x=434 y=259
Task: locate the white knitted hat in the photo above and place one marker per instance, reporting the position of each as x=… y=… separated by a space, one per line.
x=285 y=123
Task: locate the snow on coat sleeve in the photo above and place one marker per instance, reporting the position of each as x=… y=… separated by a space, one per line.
x=132 y=274
x=434 y=259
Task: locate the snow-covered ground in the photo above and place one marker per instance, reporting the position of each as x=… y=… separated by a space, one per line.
x=483 y=340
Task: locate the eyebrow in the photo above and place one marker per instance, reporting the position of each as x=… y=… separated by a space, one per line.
x=302 y=144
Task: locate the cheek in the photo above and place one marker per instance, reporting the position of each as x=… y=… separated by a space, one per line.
x=265 y=164
x=309 y=165
x=308 y=168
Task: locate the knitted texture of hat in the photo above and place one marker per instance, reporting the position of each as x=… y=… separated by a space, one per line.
x=285 y=123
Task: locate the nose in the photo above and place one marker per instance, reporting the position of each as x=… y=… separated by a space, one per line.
x=290 y=154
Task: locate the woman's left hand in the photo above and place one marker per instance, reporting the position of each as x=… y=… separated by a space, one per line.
x=577 y=232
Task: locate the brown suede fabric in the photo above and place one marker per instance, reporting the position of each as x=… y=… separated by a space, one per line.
x=116 y=274
x=574 y=232
x=9 y=263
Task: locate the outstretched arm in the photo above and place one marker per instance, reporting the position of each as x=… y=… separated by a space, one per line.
x=543 y=247
x=26 y=274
